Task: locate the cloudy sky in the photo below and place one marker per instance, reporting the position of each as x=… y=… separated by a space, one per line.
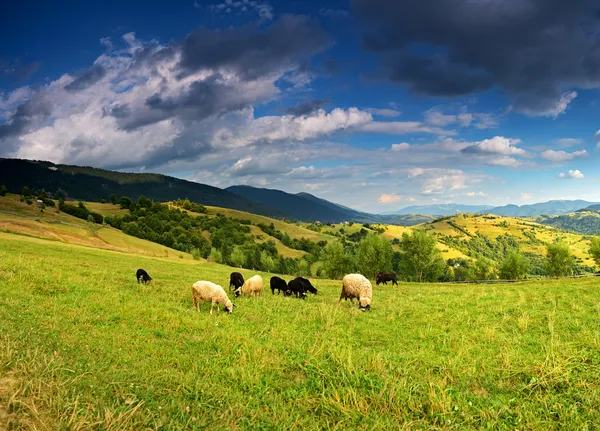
x=374 y=104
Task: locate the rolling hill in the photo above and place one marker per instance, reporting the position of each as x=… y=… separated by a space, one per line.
x=586 y=221
x=91 y=184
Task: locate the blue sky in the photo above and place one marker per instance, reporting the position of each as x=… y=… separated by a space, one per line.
x=373 y=104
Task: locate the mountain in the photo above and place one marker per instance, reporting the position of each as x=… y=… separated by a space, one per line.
x=556 y=207
x=306 y=207
x=91 y=184
x=442 y=209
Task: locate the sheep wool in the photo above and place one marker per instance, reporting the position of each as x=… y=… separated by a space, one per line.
x=253 y=286
x=210 y=292
x=357 y=286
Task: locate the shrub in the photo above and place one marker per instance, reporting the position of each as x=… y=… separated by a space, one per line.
x=514 y=266
x=196 y=254
x=3 y=190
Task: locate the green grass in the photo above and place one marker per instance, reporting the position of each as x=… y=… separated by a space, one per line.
x=82 y=346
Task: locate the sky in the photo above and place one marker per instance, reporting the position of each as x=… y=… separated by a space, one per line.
x=373 y=104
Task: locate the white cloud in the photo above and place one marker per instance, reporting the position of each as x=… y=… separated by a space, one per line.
x=400 y=147
x=562 y=156
x=386 y=199
x=575 y=174
x=526 y=196
x=435 y=117
x=497 y=145
x=478 y=194
x=402 y=128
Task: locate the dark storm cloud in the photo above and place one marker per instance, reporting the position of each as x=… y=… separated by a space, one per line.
x=87 y=78
x=203 y=99
x=307 y=107
x=25 y=114
x=252 y=51
x=534 y=50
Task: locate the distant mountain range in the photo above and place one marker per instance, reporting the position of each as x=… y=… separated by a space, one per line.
x=545 y=208
x=442 y=209
x=91 y=184
x=555 y=207
x=306 y=207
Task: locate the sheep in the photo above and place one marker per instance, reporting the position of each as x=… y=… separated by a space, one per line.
x=357 y=286
x=142 y=276
x=253 y=286
x=308 y=285
x=236 y=280
x=279 y=285
x=297 y=288
x=210 y=292
x=384 y=277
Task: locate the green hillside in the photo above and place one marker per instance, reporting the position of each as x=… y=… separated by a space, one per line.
x=91 y=184
x=584 y=221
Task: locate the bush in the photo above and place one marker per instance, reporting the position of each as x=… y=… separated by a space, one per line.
x=25 y=191
x=216 y=256
x=196 y=254
x=514 y=266
x=113 y=199
x=559 y=260
x=3 y=190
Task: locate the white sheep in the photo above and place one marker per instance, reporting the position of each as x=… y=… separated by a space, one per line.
x=357 y=286
x=253 y=286
x=210 y=292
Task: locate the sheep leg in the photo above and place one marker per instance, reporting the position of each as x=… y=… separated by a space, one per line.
x=212 y=306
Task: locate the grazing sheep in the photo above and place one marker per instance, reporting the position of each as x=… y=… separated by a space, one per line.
x=308 y=285
x=210 y=292
x=142 y=276
x=357 y=286
x=236 y=280
x=296 y=287
x=384 y=277
x=279 y=285
x=253 y=286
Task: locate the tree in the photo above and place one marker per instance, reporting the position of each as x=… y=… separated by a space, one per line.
x=215 y=255
x=125 y=202
x=559 y=262
x=374 y=255
x=3 y=190
x=514 y=266
x=422 y=261
x=595 y=249
x=484 y=269
x=303 y=268
x=266 y=261
x=113 y=199
x=336 y=262
x=25 y=191
x=237 y=257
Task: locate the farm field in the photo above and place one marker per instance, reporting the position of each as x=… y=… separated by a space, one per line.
x=83 y=346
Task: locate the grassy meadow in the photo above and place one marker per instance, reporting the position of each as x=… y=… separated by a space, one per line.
x=83 y=346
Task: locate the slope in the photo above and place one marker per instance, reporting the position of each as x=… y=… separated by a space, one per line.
x=442 y=209
x=91 y=184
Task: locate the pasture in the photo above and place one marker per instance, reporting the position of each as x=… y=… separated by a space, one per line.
x=83 y=346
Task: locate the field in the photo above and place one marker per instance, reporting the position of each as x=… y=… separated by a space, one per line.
x=83 y=346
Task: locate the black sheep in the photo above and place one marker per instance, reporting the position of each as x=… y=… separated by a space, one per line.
x=307 y=285
x=384 y=277
x=236 y=280
x=142 y=276
x=297 y=287
x=278 y=284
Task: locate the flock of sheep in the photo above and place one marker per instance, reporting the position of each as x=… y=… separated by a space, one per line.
x=354 y=286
